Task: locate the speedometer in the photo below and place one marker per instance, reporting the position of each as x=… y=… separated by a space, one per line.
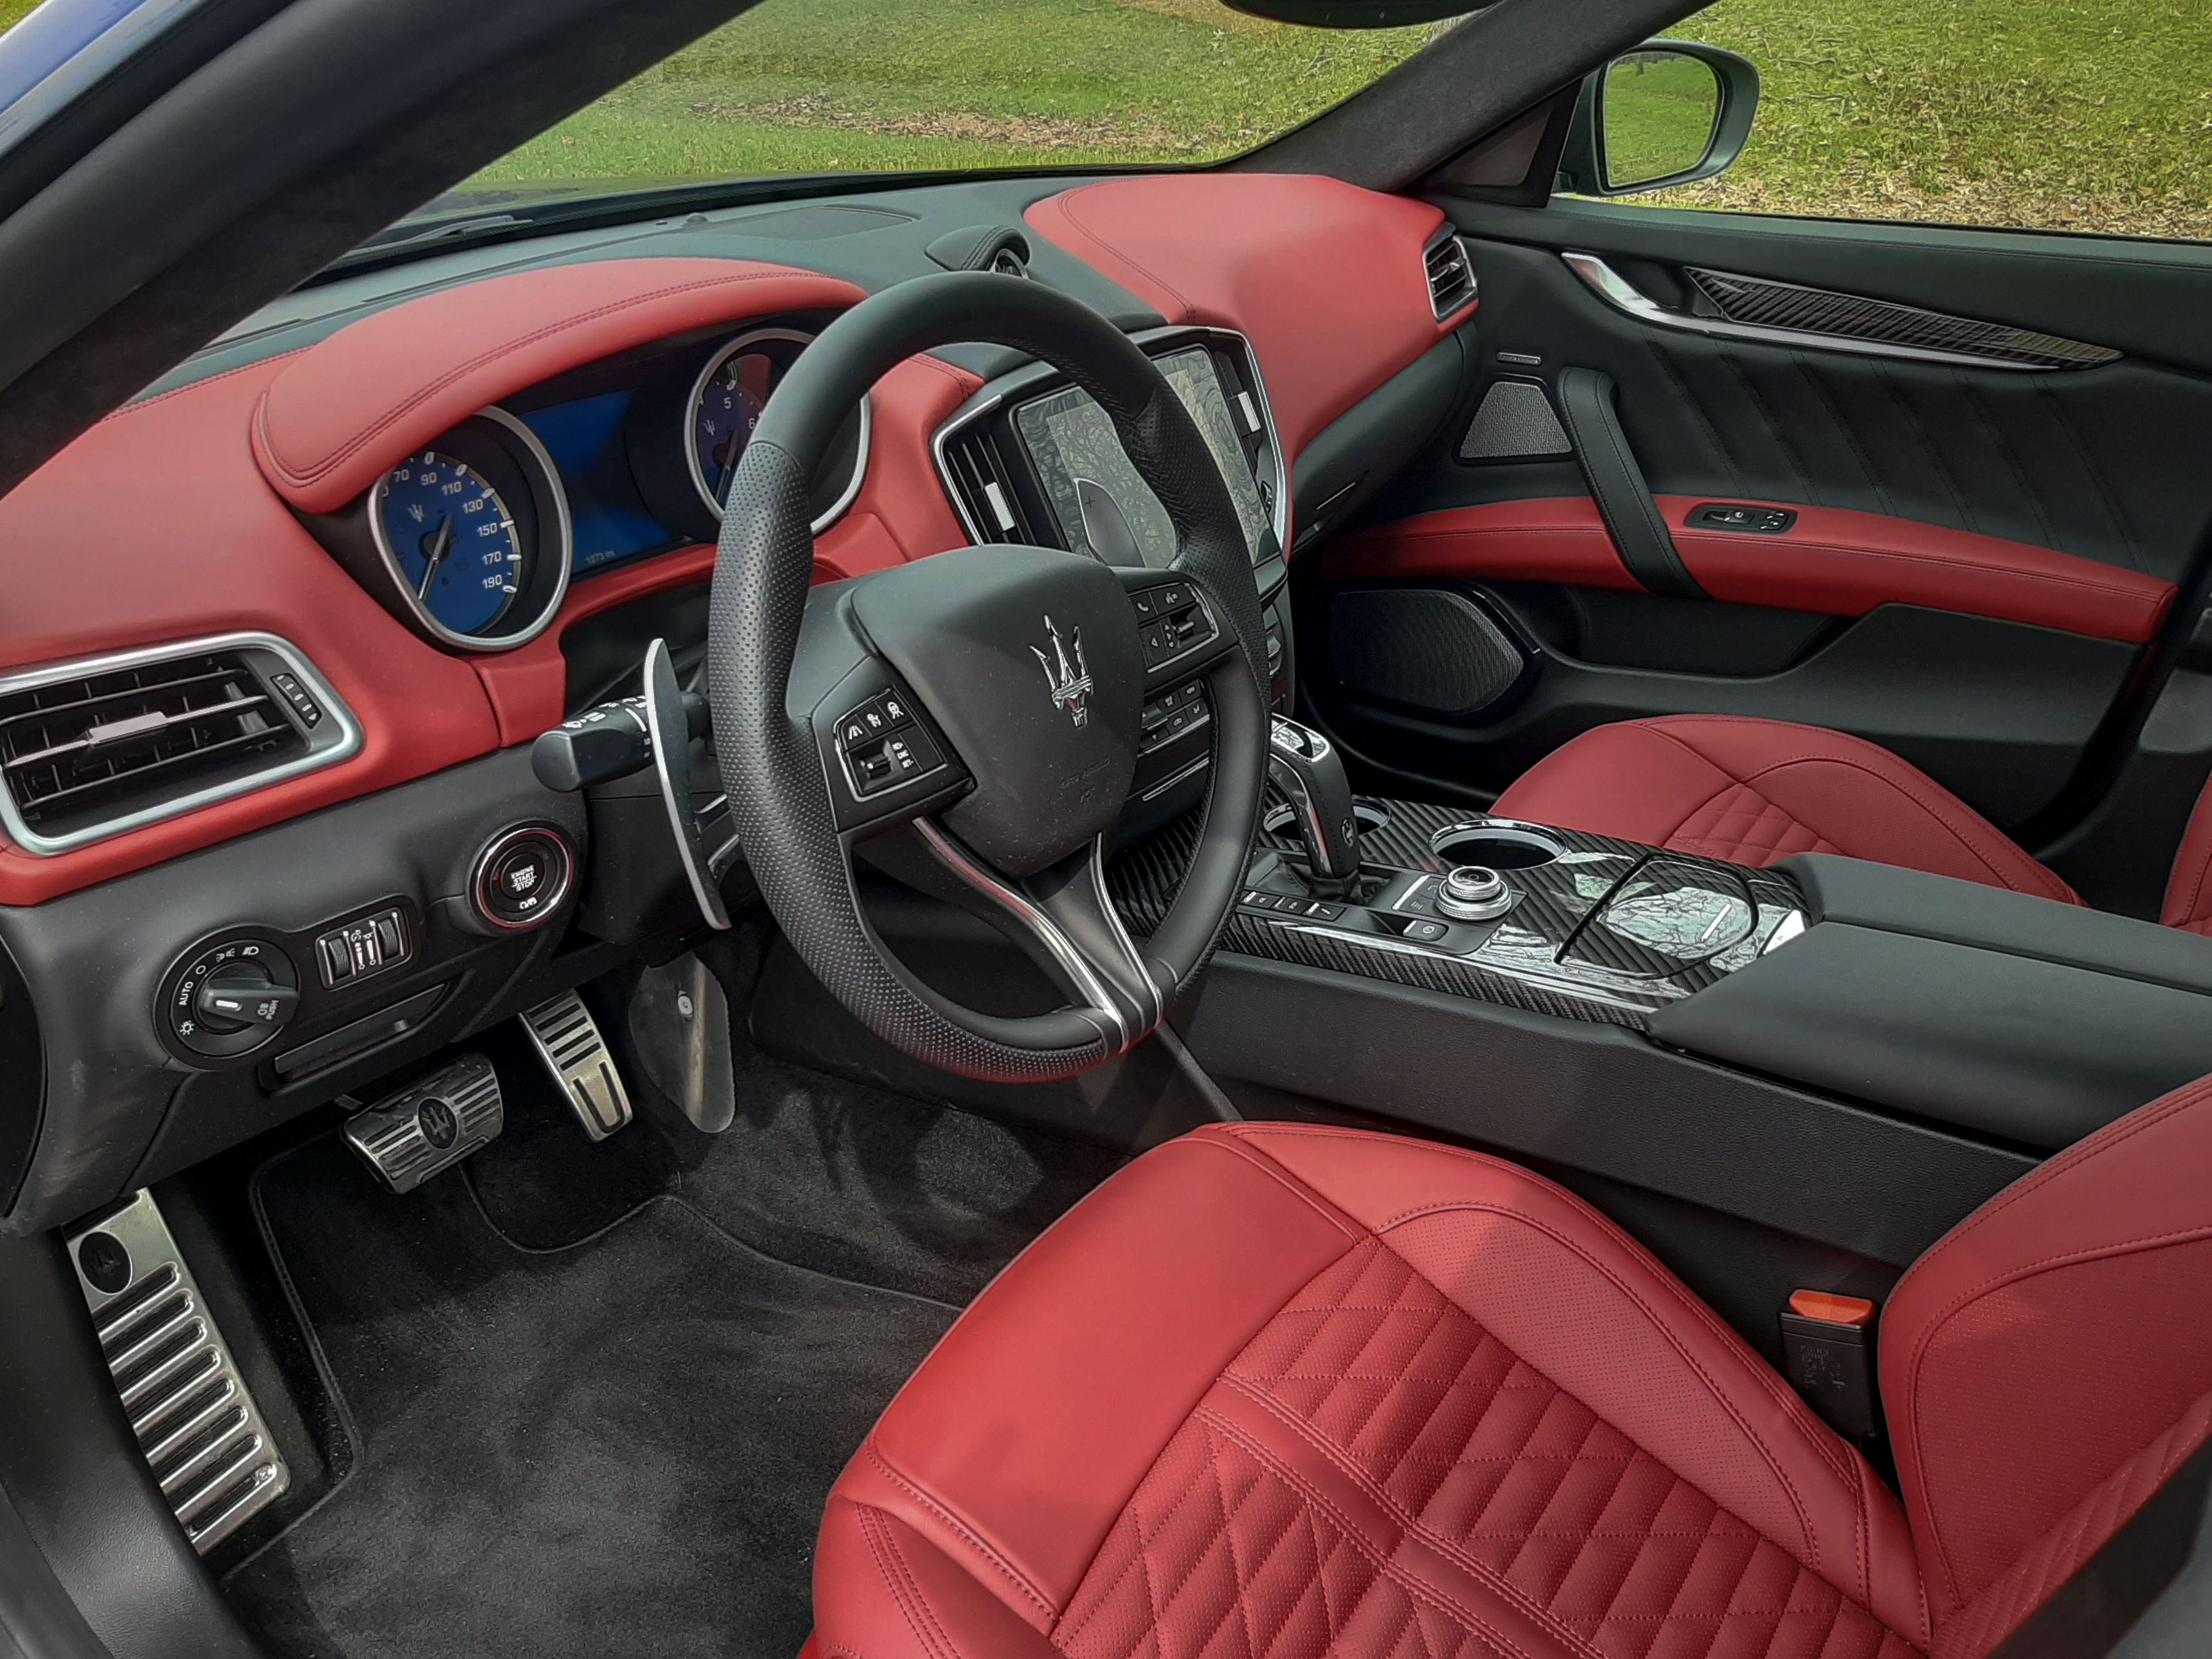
x=454 y=538
x=468 y=539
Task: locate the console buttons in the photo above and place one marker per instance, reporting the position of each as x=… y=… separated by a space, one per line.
x=521 y=877
x=1428 y=933
x=361 y=948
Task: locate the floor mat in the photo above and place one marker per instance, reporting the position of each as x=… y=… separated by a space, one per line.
x=619 y=1447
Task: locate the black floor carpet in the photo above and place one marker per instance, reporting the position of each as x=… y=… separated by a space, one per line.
x=617 y=1447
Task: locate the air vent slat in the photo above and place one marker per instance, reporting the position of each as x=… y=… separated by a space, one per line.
x=91 y=748
x=1450 y=272
x=986 y=495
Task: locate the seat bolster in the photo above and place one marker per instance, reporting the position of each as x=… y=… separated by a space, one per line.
x=1756 y=791
x=1582 y=1302
x=2189 y=888
x=2050 y=1339
x=883 y=1588
x=1017 y=1444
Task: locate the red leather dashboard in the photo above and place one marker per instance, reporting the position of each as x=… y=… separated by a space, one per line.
x=175 y=518
x=1831 y=562
x=1325 y=279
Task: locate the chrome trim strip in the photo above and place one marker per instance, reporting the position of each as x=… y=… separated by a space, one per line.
x=1622 y=295
x=1047 y=931
x=1153 y=995
x=567 y=538
x=1792 y=926
x=800 y=338
x=1175 y=778
x=346 y=747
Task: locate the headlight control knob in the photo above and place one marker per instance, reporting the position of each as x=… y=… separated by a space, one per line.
x=1474 y=893
x=230 y=999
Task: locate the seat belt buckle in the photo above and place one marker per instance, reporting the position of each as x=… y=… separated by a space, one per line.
x=1827 y=1353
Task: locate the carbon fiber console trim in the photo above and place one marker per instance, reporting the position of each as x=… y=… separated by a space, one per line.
x=1546 y=956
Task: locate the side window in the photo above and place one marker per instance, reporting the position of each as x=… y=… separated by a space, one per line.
x=2070 y=115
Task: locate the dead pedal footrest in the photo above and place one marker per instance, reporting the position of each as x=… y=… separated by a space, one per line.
x=204 y=1439
x=567 y=1040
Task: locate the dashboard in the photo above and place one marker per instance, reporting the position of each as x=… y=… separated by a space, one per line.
x=281 y=631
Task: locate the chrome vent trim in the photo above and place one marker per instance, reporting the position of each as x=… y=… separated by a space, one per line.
x=95 y=726
x=209 y=1448
x=1970 y=349
x=1768 y=304
x=1450 y=268
x=981 y=492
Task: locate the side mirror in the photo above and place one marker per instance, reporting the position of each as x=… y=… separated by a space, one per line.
x=1670 y=112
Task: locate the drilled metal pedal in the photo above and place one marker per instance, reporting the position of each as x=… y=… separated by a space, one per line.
x=430 y=1126
x=203 y=1437
x=567 y=1040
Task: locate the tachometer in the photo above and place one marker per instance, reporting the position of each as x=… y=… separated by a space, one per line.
x=724 y=406
x=455 y=540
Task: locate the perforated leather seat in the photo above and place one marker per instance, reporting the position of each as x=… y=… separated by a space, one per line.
x=1277 y=1391
x=1754 y=791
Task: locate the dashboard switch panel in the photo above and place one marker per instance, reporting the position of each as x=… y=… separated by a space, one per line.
x=229 y=998
x=366 y=946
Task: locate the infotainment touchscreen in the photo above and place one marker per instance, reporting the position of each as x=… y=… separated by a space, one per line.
x=1078 y=456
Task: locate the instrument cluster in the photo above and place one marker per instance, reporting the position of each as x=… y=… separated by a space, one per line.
x=473 y=539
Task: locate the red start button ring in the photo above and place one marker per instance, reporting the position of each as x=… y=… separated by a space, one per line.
x=521 y=876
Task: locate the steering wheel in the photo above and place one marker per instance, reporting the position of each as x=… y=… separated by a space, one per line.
x=970 y=722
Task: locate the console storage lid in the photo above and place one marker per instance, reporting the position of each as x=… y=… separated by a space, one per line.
x=2014 y=1016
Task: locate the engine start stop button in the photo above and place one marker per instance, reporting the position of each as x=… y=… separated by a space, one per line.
x=522 y=877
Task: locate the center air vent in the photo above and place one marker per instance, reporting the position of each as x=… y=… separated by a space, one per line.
x=91 y=749
x=1451 y=274
x=981 y=489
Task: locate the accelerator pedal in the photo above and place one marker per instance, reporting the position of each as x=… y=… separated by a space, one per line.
x=205 y=1440
x=429 y=1126
x=567 y=1040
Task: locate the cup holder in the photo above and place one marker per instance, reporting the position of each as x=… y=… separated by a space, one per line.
x=1494 y=847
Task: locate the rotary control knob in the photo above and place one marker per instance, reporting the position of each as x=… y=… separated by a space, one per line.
x=231 y=998
x=1474 y=893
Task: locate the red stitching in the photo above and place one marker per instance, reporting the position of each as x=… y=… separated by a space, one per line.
x=998 y=1564
x=460 y=371
x=194 y=385
x=899 y=1578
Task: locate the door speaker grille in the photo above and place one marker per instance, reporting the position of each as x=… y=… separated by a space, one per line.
x=1514 y=420
x=1425 y=648
x=203 y=1437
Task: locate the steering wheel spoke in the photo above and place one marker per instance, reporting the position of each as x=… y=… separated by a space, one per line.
x=1066 y=922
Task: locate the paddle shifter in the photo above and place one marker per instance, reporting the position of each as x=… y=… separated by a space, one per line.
x=1306 y=767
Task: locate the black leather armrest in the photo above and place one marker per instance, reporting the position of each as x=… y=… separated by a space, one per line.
x=2016 y=1016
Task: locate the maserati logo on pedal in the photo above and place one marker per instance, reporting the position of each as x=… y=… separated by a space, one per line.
x=1068 y=684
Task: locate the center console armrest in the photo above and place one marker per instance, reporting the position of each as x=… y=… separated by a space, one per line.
x=2015 y=1016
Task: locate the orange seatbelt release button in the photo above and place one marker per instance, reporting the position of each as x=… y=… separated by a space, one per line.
x=1827 y=1354
x=1829 y=1308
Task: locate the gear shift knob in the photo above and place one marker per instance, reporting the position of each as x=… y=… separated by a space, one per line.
x=1306 y=767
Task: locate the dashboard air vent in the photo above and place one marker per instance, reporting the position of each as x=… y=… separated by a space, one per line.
x=981 y=489
x=1451 y=274
x=90 y=749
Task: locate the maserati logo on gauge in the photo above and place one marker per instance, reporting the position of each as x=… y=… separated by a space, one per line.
x=1067 y=683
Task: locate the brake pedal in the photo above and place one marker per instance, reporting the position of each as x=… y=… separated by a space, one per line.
x=430 y=1125
x=205 y=1440
x=567 y=1040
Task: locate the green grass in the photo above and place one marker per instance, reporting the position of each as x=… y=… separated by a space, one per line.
x=13 y=12
x=805 y=86
x=1659 y=116
x=2054 y=114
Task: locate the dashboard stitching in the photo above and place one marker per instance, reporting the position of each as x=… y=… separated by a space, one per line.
x=345 y=451
x=194 y=385
x=1067 y=212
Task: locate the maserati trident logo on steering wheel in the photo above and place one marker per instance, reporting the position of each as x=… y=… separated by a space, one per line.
x=1068 y=683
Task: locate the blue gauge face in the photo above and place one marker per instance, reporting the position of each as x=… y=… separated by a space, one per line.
x=454 y=540
x=730 y=405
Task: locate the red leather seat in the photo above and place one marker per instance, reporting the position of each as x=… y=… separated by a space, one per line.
x=1753 y=791
x=1280 y=1391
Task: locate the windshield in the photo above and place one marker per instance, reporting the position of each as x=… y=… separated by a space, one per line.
x=814 y=87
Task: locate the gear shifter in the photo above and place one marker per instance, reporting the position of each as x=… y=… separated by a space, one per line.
x=1306 y=767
